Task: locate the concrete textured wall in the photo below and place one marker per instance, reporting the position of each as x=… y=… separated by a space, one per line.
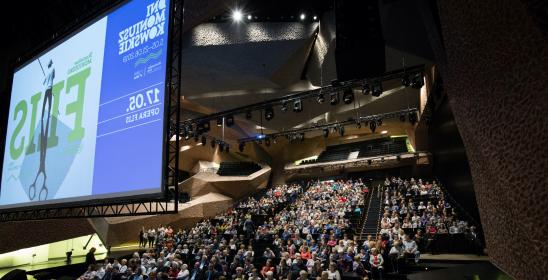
x=495 y=70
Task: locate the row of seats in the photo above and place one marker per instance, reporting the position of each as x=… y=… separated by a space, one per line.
x=239 y=168
x=365 y=148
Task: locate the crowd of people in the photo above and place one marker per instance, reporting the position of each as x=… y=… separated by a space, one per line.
x=303 y=227
x=297 y=231
x=415 y=217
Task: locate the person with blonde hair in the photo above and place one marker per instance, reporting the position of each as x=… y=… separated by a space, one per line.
x=376 y=261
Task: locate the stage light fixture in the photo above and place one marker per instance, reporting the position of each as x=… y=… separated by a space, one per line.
x=372 y=126
x=334 y=98
x=377 y=88
x=204 y=140
x=284 y=106
x=248 y=115
x=321 y=98
x=325 y=132
x=237 y=15
x=379 y=122
x=298 y=106
x=405 y=81
x=219 y=121
x=417 y=81
x=221 y=146
x=303 y=16
x=366 y=88
x=229 y=120
x=341 y=130
x=249 y=17
x=241 y=146
x=268 y=113
x=412 y=118
x=348 y=95
x=315 y=18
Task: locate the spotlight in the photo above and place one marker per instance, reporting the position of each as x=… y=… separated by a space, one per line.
x=379 y=122
x=303 y=16
x=366 y=88
x=229 y=120
x=249 y=17
x=405 y=81
x=297 y=106
x=248 y=115
x=219 y=121
x=268 y=113
x=341 y=130
x=417 y=81
x=348 y=96
x=412 y=118
x=325 y=132
x=237 y=15
x=204 y=140
x=321 y=98
x=221 y=146
x=206 y=126
x=402 y=117
x=241 y=146
x=334 y=98
x=267 y=142
x=315 y=18
x=284 y=106
x=213 y=143
x=377 y=88
x=372 y=126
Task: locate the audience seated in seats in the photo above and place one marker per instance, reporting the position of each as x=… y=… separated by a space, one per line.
x=298 y=231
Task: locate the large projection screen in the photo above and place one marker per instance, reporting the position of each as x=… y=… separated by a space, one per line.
x=86 y=116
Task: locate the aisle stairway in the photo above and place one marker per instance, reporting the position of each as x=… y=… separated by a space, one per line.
x=373 y=216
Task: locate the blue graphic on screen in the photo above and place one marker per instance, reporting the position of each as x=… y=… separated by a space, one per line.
x=86 y=116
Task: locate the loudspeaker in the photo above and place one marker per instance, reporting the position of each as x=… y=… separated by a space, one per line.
x=360 y=45
x=16 y=274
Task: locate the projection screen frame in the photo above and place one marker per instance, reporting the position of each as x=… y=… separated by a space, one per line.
x=166 y=201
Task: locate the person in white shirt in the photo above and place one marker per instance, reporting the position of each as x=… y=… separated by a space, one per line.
x=184 y=274
x=333 y=273
x=410 y=247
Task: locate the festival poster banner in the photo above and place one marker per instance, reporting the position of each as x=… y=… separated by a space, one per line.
x=86 y=116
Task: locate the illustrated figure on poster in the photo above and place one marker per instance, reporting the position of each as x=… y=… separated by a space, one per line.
x=44 y=131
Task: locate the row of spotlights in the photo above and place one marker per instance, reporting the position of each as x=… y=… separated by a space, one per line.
x=238 y=15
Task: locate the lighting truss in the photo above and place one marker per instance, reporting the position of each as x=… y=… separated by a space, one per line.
x=362 y=119
x=314 y=93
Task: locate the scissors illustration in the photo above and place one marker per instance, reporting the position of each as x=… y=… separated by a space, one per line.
x=48 y=81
